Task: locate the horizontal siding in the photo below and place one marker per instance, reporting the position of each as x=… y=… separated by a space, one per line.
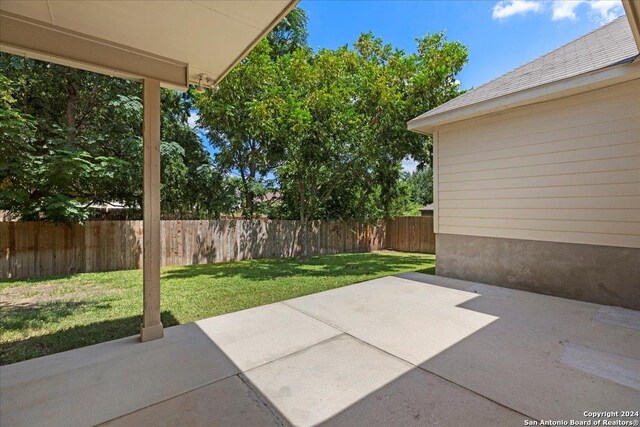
x=587 y=203
x=597 y=190
x=604 y=214
x=574 y=167
x=556 y=129
x=565 y=156
x=565 y=170
x=587 y=178
x=558 y=146
x=607 y=108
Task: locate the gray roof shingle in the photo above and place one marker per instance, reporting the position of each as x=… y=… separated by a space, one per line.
x=608 y=45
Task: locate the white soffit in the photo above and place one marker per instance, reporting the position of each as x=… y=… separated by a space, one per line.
x=173 y=41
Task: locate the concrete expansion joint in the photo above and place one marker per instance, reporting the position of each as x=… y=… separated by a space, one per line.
x=295 y=352
x=275 y=414
x=407 y=361
x=312 y=316
x=480 y=395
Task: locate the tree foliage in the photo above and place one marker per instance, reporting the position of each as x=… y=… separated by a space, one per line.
x=238 y=118
x=71 y=139
x=420 y=185
x=239 y=124
x=290 y=34
x=340 y=120
x=325 y=131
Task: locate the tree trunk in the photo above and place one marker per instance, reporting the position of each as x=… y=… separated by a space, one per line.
x=72 y=106
x=305 y=239
x=247 y=210
x=304 y=222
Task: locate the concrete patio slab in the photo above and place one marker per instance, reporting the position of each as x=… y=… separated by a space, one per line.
x=618 y=316
x=95 y=384
x=317 y=383
x=98 y=383
x=526 y=349
x=494 y=341
x=377 y=310
x=229 y=402
x=420 y=399
x=344 y=381
x=409 y=350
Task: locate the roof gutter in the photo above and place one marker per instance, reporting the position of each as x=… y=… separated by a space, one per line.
x=571 y=86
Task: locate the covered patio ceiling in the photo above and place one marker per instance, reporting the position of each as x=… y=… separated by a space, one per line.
x=171 y=41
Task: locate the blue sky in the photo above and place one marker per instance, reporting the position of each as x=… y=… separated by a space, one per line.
x=500 y=35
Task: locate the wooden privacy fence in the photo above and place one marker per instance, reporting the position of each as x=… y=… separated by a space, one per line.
x=411 y=234
x=39 y=248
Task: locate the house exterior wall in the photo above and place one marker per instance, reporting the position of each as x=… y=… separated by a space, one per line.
x=545 y=197
x=561 y=171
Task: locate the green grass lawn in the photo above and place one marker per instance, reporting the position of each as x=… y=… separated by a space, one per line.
x=48 y=315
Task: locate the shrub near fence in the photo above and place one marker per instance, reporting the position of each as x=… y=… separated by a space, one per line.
x=39 y=248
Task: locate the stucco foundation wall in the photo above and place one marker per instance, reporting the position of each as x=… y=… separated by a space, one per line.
x=601 y=274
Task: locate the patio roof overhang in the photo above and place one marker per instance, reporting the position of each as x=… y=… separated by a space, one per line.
x=168 y=43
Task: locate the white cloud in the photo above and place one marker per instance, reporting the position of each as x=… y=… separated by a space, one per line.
x=506 y=8
x=601 y=11
x=564 y=9
x=409 y=165
x=606 y=10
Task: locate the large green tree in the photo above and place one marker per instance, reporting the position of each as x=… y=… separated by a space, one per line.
x=238 y=122
x=325 y=130
x=238 y=117
x=82 y=135
x=341 y=122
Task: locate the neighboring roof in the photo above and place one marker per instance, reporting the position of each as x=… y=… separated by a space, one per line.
x=427 y=208
x=197 y=36
x=111 y=206
x=611 y=44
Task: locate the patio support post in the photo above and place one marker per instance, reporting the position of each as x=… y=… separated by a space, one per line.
x=151 y=325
